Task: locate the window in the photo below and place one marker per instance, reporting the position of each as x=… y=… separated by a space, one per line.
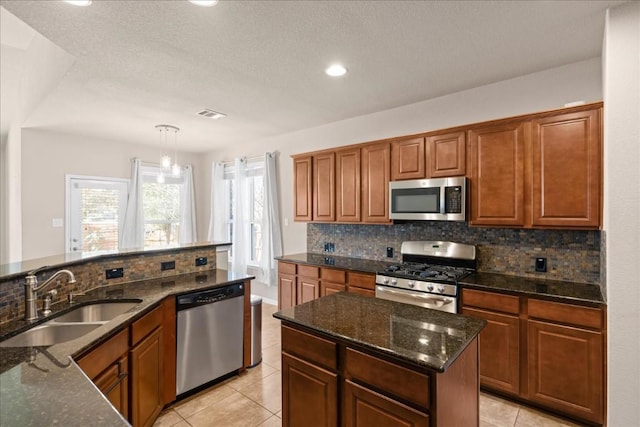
x=161 y=208
x=95 y=212
x=255 y=188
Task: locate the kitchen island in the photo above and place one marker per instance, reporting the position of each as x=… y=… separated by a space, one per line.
x=352 y=360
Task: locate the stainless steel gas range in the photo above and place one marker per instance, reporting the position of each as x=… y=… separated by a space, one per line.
x=428 y=275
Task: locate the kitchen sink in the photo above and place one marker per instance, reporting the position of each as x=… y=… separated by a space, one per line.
x=100 y=312
x=50 y=333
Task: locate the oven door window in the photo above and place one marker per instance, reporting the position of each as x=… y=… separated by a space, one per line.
x=415 y=200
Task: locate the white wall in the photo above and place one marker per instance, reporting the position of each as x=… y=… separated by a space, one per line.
x=48 y=156
x=534 y=92
x=621 y=58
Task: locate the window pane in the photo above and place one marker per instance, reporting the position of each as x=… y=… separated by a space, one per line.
x=161 y=205
x=99 y=219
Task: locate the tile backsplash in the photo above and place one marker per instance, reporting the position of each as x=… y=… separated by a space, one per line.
x=572 y=255
x=91 y=274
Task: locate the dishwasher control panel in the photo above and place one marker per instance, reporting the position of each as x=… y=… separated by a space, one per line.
x=209 y=296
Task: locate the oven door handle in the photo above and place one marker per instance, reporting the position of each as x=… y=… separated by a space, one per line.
x=409 y=294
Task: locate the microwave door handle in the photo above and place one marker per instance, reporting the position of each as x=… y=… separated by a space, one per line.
x=442 y=201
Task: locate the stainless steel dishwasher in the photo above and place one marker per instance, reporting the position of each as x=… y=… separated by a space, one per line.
x=209 y=335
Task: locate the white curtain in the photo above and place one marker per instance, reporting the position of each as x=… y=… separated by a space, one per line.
x=217 y=230
x=132 y=235
x=187 y=208
x=271 y=231
x=241 y=218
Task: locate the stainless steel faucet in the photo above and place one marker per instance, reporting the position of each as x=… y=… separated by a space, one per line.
x=31 y=287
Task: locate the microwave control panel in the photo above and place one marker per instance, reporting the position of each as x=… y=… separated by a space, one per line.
x=453 y=199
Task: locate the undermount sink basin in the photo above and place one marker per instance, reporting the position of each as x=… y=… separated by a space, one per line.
x=49 y=334
x=101 y=312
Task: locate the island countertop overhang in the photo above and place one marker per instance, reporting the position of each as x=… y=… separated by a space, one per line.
x=426 y=338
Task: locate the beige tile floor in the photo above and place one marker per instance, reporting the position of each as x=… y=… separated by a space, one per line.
x=253 y=398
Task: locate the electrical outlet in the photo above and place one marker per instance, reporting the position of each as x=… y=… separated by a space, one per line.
x=541 y=265
x=389 y=252
x=201 y=261
x=332 y=247
x=114 y=273
x=326 y=246
x=167 y=265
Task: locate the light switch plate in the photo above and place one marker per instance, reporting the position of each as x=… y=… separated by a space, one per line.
x=57 y=223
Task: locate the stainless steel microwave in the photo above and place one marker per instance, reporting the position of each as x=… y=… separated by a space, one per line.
x=440 y=199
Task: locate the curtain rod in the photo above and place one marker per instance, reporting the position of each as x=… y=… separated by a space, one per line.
x=249 y=158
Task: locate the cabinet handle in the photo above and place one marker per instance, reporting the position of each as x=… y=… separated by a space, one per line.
x=116 y=384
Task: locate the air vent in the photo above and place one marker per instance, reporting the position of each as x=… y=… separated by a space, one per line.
x=211 y=114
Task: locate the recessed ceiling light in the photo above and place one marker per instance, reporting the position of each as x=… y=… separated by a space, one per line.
x=204 y=3
x=336 y=70
x=79 y=2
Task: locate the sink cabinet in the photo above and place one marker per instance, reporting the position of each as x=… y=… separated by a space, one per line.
x=135 y=369
x=107 y=366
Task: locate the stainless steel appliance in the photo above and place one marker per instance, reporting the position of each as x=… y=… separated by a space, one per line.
x=428 y=275
x=441 y=199
x=209 y=335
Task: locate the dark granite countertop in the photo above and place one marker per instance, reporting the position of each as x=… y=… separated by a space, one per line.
x=345 y=263
x=578 y=293
x=570 y=292
x=428 y=338
x=43 y=386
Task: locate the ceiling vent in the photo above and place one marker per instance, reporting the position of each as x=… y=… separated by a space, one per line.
x=211 y=114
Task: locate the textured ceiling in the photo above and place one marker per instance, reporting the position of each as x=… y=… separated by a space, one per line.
x=141 y=63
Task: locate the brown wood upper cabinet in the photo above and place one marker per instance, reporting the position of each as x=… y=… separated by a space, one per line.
x=566 y=170
x=407 y=159
x=303 y=188
x=497 y=174
x=348 y=190
x=324 y=187
x=446 y=155
x=376 y=171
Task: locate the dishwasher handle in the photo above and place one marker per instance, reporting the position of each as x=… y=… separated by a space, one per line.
x=209 y=296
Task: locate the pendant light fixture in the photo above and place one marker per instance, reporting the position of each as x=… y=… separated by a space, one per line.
x=165 y=162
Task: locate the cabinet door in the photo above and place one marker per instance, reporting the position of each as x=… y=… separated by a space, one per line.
x=146 y=380
x=497 y=175
x=114 y=384
x=566 y=369
x=307 y=290
x=567 y=177
x=348 y=193
x=446 y=155
x=286 y=291
x=315 y=391
x=375 y=182
x=365 y=408
x=499 y=350
x=407 y=159
x=324 y=187
x=303 y=188
x=327 y=288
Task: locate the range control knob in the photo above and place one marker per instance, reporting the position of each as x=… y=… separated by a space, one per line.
x=394 y=282
x=430 y=288
x=385 y=280
x=441 y=289
x=411 y=284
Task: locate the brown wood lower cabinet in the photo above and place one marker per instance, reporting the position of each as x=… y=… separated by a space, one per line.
x=315 y=390
x=330 y=383
x=546 y=353
x=364 y=407
x=146 y=379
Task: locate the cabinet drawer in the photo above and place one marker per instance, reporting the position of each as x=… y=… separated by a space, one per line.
x=105 y=354
x=308 y=271
x=143 y=327
x=491 y=301
x=332 y=275
x=309 y=347
x=362 y=280
x=286 y=268
x=402 y=382
x=575 y=315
